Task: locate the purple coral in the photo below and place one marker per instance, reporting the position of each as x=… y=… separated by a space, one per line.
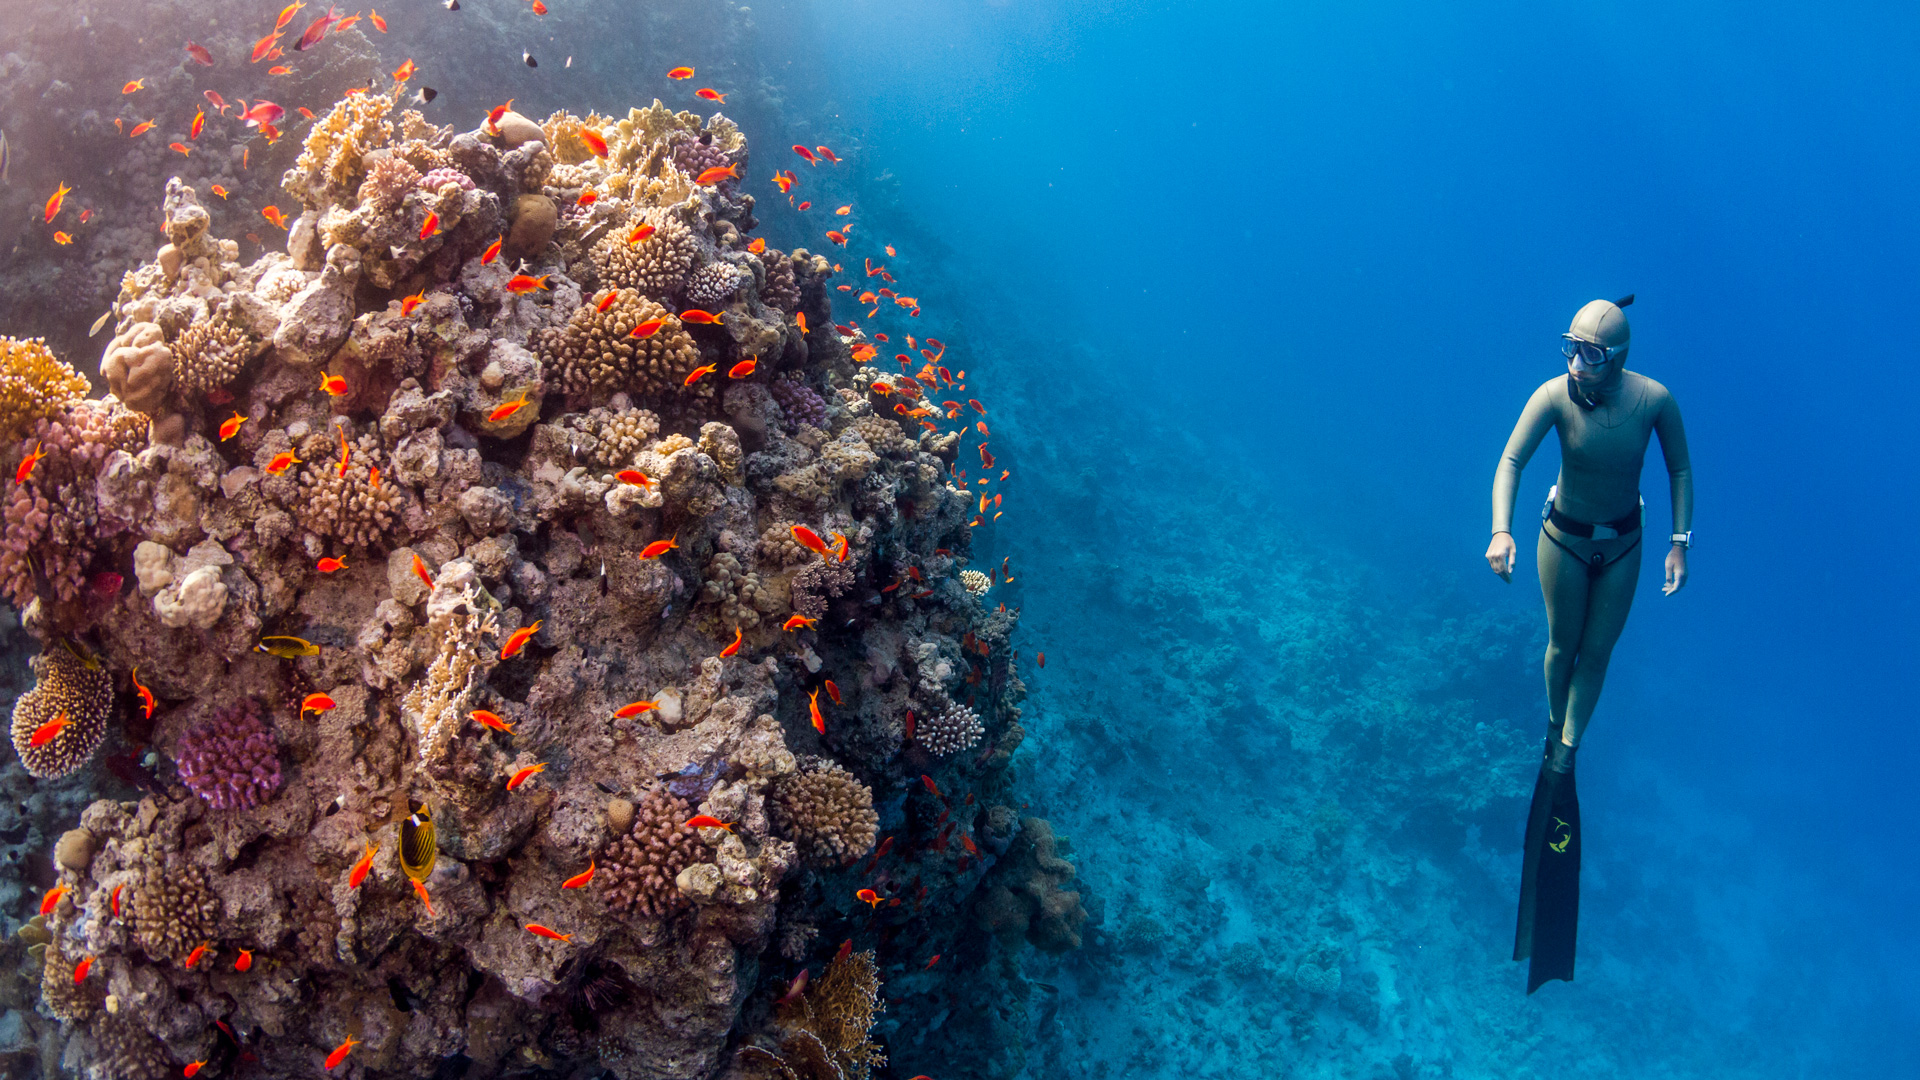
x=230 y=759
x=800 y=403
x=54 y=516
x=443 y=176
x=695 y=156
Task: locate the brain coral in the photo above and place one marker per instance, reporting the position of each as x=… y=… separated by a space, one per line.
x=67 y=687
x=951 y=730
x=210 y=354
x=229 y=759
x=712 y=286
x=174 y=908
x=639 y=867
x=33 y=384
x=596 y=352
x=827 y=813
x=656 y=266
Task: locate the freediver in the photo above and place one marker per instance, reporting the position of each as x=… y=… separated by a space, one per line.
x=1589 y=560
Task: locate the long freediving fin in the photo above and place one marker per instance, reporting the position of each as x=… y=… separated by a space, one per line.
x=1550 y=879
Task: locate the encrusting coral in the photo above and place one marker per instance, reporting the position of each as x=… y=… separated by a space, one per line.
x=68 y=688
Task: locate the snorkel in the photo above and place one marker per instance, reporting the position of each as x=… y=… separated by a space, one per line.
x=1595 y=346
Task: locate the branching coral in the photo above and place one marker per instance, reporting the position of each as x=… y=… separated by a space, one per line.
x=126 y=1052
x=656 y=266
x=815 y=586
x=53 y=519
x=66 y=687
x=828 y=1033
x=712 y=286
x=174 y=908
x=437 y=705
x=827 y=813
x=210 y=354
x=348 y=507
x=640 y=867
x=65 y=998
x=330 y=166
x=782 y=290
x=799 y=403
x=610 y=438
x=230 y=759
x=597 y=353
x=951 y=730
x=975 y=582
x=34 y=384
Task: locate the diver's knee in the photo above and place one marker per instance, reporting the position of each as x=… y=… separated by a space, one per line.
x=1558 y=654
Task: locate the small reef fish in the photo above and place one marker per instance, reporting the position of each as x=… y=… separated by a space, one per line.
x=694 y=375
x=244 y=961
x=487 y=256
x=200 y=54
x=633 y=709
x=329 y=564
x=868 y=896
x=1040 y=658
x=261 y=113
x=759 y=245
x=639 y=233
x=518 y=640
x=193 y=1069
x=490 y=720
x=587 y=198
x=113 y=900
x=286 y=647
x=743 y=369
x=813 y=707
x=840 y=555
x=53 y=204
x=832 y=691
x=710 y=95
x=198 y=952
x=405 y=71
x=843 y=211
x=264 y=46
x=432 y=226
x=526 y=58
x=379 y=23
x=647 y=329
x=52 y=899
x=335 y=385
x=795 y=988
x=537 y=930
x=524 y=775
x=929 y=967
x=147 y=702
x=931 y=786
x=218 y=190
x=316 y=30
x=420 y=890
x=660 y=547
x=408 y=303
x=134 y=86
x=373 y=477
x=828 y=154
x=493 y=118
x=506 y=410
x=805 y=153
x=636 y=478
x=180 y=148
x=607 y=301
x=420 y=571
x=890 y=252
x=704 y=821
x=717 y=174
x=340 y=1052
x=275 y=215
x=345 y=453
x=281 y=463
x=696 y=315
x=594 y=142
x=287 y=13
x=26 y=464
x=800 y=320
x=809 y=539
x=680 y=73
x=359 y=872
x=579 y=880
x=521 y=284
x=280 y=69
x=316 y=702
x=806 y=205
x=733 y=648
x=199 y=124
x=81 y=969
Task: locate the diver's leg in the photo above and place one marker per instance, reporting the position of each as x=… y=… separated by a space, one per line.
x=1608 y=603
x=1563 y=583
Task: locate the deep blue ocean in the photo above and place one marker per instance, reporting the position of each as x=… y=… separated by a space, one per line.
x=1255 y=294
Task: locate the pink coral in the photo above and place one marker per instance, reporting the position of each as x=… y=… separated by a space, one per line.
x=52 y=518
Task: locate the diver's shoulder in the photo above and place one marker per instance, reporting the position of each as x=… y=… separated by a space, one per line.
x=1653 y=388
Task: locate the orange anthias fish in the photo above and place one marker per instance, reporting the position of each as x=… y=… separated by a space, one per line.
x=340 y=1052
x=200 y=54
x=218 y=190
x=52 y=899
x=796 y=622
x=733 y=648
x=493 y=118
x=281 y=463
x=264 y=46
x=639 y=233
x=800 y=320
x=636 y=478
x=680 y=73
x=759 y=245
x=524 y=775
x=537 y=930
x=843 y=211
x=1041 y=659
x=244 y=961
x=80 y=970
x=506 y=410
x=280 y=69
x=520 y=284
x=634 y=709
x=717 y=174
x=783 y=182
x=839 y=555
x=487 y=256
x=742 y=369
x=315 y=702
x=809 y=539
x=594 y=142
x=813 y=706
x=806 y=153
x=694 y=375
x=587 y=198
x=579 y=880
x=379 y=23
x=113 y=900
x=135 y=85
x=287 y=13
x=140 y=129
x=53 y=204
x=180 y=148
x=827 y=154
x=193 y=1068
x=837 y=237
x=832 y=691
x=431 y=227
x=198 y=952
x=659 y=547
x=710 y=95
x=490 y=720
x=420 y=570
x=704 y=821
x=26 y=464
x=336 y=385
x=199 y=124
x=405 y=71
x=359 y=872
x=696 y=315
x=330 y=564
x=647 y=329
x=420 y=890
x=869 y=896
x=408 y=303
x=518 y=639
x=147 y=702
x=275 y=215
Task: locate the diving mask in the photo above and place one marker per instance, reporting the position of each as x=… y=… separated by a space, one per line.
x=1587 y=353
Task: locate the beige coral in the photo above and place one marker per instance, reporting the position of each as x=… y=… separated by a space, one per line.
x=611 y=437
x=174 y=908
x=34 y=383
x=65 y=998
x=975 y=582
x=732 y=596
x=827 y=813
x=210 y=354
x=596 y=352
x=829 y=1031
x=139 y=366
x=331 y=163
x=347 y=507
x=437 y=705
x=66 y=686
x=656 y=266
x=777 y=546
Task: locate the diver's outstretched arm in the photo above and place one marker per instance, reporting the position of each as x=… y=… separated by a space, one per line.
x=1673 y=445
x=1535 y=421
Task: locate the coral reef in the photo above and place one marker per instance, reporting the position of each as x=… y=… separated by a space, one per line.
x=34 y=385
x=1026 y=895
x=644 y=862
x=826 y=812
x=951 y=730
x=655 y=266
x=230 y=758
x=67 y=689
x=597 y=352
x=828 y=1031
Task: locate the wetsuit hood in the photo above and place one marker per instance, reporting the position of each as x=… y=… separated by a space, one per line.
x=1601 y=322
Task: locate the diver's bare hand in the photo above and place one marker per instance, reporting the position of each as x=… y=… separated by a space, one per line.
x=1501 y=552
x=1676 y=570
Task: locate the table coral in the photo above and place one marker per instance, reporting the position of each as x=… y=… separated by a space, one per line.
x=65 y=686
x=34 y=384
x=230 y=759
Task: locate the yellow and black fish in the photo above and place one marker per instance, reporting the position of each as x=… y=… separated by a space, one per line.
x=418 y=845
x=286 y=647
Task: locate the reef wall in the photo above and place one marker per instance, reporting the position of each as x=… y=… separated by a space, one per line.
x=436 y=575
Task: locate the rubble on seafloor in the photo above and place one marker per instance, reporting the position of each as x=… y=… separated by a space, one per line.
x=326 y=491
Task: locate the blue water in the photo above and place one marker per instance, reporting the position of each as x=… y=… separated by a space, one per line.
x=1259 y=291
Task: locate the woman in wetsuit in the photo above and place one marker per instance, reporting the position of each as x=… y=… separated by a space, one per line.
x=1589 y=553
